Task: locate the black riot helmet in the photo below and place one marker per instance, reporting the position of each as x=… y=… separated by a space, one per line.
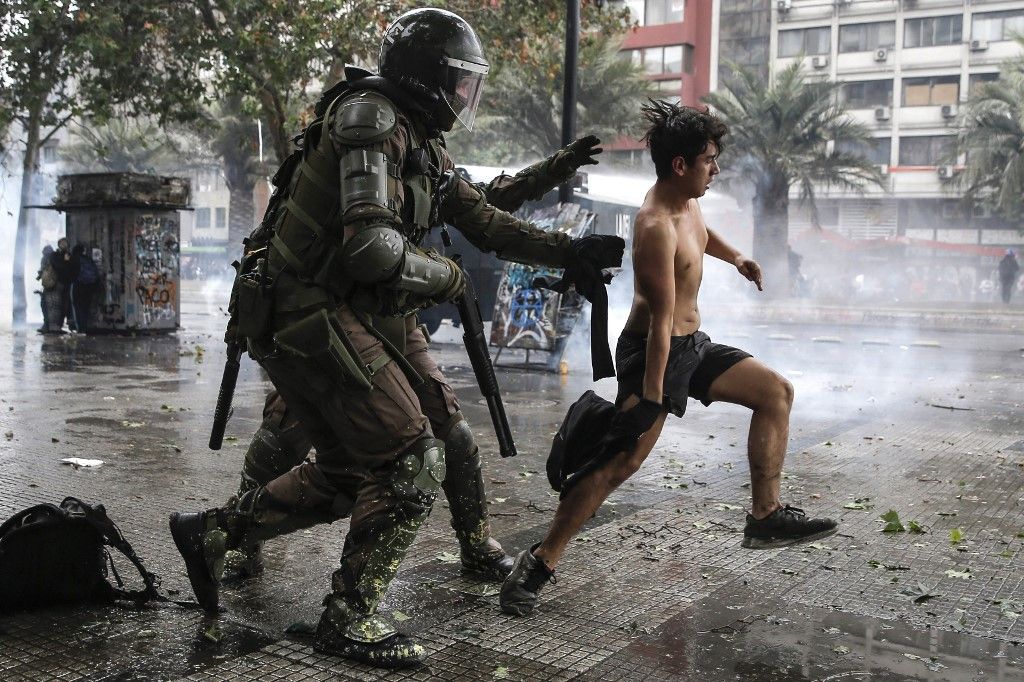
x=437 y=56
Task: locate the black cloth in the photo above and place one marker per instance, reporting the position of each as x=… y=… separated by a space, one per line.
x=588 y=258
x=694 y=361
x=592 y=433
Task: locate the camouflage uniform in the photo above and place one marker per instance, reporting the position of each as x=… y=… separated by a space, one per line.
x=280 y=444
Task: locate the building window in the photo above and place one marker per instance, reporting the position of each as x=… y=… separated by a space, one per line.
x=867 y=94
x=867 y=37
x=877 y=150
x=929 y=31
x=808 y=41
x=929 y=150
x=673 y=59
x=663 y=12
x=931 y=91
x=222 y=217
x=979 y=79
x=202 y=218
x=665 y=59
x=997 y=25
x=669 y=90
x=50 y=152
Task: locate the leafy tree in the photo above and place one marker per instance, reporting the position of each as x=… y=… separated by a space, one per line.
x=991 y=133
x=792 y=131
x=66 y=59
x=277 y=51
x=135 y=145
x=522 y=111
x=234 y=140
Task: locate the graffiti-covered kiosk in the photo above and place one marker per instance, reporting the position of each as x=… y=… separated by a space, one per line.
x=130 y=225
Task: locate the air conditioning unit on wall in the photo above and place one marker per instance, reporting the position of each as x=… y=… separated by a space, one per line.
x=946 y=172
x=950 y=110
x=881 y=54
x=784 y=5
x=979 y=45
x=882 y=114
x=819 y=62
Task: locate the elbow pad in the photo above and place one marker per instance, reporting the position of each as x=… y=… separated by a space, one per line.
x=373 y=254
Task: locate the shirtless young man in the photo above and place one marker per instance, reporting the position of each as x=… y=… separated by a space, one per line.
x=662 y=358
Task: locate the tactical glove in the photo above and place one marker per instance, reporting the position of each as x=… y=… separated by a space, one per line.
x=577 y=153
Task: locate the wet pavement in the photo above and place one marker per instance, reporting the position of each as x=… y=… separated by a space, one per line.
x=926 y=423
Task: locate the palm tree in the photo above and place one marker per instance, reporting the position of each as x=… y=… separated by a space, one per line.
x=235 y=141
x=521 y=115
x=792 y=131
x=991 y=133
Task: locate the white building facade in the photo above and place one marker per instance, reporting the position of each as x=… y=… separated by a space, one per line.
x=907 y=66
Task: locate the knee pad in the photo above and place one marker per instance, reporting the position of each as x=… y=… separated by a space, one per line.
x=461 y=451
x=419 y=471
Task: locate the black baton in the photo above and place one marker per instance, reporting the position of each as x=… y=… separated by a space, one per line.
x=226 y=395
x=480 y=358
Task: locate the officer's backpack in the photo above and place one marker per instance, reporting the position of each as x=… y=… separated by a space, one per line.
x=88 y=273
x=58 y=555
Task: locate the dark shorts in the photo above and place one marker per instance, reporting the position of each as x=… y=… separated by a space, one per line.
x=693 y=363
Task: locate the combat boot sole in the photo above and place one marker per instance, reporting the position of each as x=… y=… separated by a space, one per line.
x=397 y=651
x=187 y=531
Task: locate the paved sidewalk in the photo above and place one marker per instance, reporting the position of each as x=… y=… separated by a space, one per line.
x=655 y=588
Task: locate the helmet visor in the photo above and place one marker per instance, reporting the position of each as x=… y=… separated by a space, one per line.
x=464 y=85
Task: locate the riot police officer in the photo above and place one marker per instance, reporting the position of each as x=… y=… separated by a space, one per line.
x=325 y=300
x=280 y=443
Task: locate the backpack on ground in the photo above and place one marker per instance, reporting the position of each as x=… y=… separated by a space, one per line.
x=88 y=273
x=58 y=555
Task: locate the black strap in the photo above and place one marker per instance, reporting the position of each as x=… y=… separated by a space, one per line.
x=600 y=352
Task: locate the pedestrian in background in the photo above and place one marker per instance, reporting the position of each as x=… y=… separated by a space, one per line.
x=1008 y=269
x=49 y=294
x=65 y=269
x=87 y=275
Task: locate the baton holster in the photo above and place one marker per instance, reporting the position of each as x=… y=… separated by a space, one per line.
x=315 y=338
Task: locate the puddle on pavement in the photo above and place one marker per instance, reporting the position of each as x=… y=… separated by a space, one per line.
x=763 y=643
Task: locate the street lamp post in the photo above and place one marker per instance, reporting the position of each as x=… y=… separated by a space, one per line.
x=572 y=47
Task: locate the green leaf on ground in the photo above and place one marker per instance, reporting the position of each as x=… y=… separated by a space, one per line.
x=919 y=594
x=213 y=634
x=500 y=673
x=448 y=557
x=722 y=506
x=956 y=536
x=399 y=617
x=892 y=522
x=963 y=575
x=915 y=528
x=841 y=650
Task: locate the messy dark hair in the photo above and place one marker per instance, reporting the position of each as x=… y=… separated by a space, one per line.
x=679 y=131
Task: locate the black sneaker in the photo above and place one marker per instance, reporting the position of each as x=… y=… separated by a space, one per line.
x=521 y=589
x=785 y=526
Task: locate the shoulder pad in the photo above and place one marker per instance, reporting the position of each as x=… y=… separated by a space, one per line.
x=364 y=117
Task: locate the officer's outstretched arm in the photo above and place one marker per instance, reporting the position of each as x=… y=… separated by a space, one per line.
x=490 y=229
x=371 y=146
x=508 y=192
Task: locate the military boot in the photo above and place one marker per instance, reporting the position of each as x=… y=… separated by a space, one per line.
x=202 y=540
x=346 y=630
x=277 y=446
x=481 y=554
